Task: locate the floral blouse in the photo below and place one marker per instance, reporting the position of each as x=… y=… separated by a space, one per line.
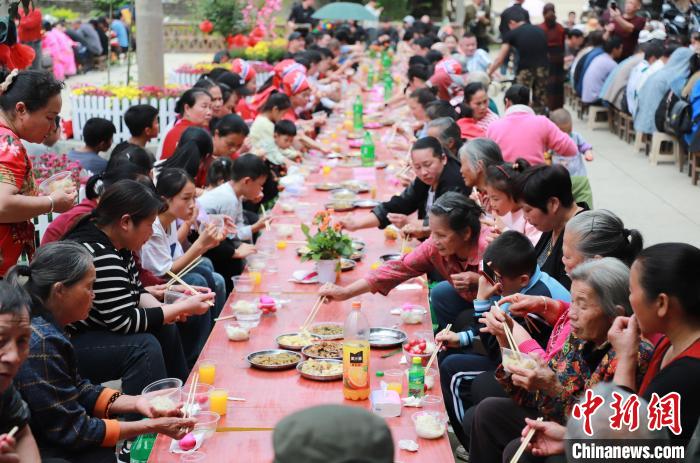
x=572 y=367
x=15 y=170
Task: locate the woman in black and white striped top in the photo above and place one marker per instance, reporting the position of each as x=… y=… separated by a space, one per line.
x=124 y=314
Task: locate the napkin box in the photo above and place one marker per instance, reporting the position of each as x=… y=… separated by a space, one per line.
x=385 y=403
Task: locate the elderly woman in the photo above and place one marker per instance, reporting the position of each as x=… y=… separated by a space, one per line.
x=664 y=294
x=600 y=292
x=475 y=157
x=454 y=250
x=446 y=130
x=589 y=235
x=72 y=418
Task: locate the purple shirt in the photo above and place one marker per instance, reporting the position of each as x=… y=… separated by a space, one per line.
x=594 y=78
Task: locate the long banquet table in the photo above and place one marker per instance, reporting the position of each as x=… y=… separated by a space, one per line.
x=269 y=395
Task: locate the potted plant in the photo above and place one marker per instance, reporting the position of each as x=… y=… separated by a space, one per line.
x=326 y=246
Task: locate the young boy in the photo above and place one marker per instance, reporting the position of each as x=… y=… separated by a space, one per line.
x=581 y=187
x=285 y=131
x=142 y=121
x=248 y=175
x=97 y=134
x=513 y=260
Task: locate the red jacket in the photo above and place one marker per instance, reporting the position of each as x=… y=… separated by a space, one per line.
x=29 y=25
x=172 y=138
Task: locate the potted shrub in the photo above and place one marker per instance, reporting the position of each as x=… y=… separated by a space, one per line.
x=326 y=246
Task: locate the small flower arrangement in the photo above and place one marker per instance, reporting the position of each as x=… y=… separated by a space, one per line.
x=329 y=242
x=49 y=164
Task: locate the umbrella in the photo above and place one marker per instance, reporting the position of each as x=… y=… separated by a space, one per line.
x=344 y=11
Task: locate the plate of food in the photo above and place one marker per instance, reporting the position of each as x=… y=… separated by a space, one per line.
x=389 y=257
x=327 y=186
x=380 y=165
x=303 y=250
x=297 y=340
x=321 y=370
x=327 y=330
x=354 y=135
x=358 y=245
x=386 y=337
x=347 y=264
x=340 y=205
x=357 y=256
x=57 y=182
x=324 y=350
x=356 y=186
x=274 y=359
x=366 y=203
x=344 y=194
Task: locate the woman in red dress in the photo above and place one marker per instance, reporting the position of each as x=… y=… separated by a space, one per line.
x=556 y=35
x=195 y=109
x=29 y=104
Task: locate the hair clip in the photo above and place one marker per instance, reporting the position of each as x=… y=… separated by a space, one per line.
x=8 y=81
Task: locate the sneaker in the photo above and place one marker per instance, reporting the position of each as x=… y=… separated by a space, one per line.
x=124 y=453
x=461 y=454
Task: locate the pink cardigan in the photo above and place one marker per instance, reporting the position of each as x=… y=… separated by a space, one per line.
x=522 y=134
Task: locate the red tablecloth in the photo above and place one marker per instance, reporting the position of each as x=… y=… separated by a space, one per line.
x=271 y=396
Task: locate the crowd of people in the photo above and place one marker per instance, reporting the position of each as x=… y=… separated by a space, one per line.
x=502 y=190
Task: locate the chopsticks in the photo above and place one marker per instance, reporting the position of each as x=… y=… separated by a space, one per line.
x=185 y=270
x=511 y=340
x=264 y=214
x=182 y=282
x=13 y=431
x=236 y=399
x=225 y=317
x=523 y=444
x=314 y=311
x=437 y=349
x=403 y=244
x=191 y=395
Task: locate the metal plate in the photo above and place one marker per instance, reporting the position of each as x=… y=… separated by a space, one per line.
x=357 y=256
x=380 y=165
x=290 y=347
x=344 y=194
x=357 y=187
x=358 y=245
x=327 y=337
x=327 y=186
x=366 y=203
x=286 y=366
x=347 y=264
x=388 y=257
x=318 y=377
x=386 y=337
x=313 y=356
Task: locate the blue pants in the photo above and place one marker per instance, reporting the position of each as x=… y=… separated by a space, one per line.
x=457 y=373
x=448 y=306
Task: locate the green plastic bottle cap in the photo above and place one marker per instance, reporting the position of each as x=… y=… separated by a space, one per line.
x=417 y=360
x=380 y=373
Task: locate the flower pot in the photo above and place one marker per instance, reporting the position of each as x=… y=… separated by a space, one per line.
x=327 y=270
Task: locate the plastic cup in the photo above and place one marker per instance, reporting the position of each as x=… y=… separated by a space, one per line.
x=274 y=290
x=207 y=371
x=394 y=380
x=242 y=284
x=256 y=276
x=218 y=401
x=432 y=403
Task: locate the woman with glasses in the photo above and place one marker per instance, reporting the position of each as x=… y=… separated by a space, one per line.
x=436 y=174
x=454 y=250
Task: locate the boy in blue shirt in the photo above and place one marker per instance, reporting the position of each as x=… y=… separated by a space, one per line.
x=513 y=260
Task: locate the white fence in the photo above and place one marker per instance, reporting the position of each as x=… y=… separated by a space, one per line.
x=112 y=109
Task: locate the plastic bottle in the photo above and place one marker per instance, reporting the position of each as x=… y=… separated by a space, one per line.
x=357 y=111
x=141 y=448
x=367 y=151
x=388 y=85
x=370 y=77
x=416 y=378
x=356 y=355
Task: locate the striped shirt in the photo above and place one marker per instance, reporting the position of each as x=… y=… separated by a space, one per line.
x=117 y=287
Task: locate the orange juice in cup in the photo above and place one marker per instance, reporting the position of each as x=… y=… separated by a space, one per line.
x=218 y=401
x=281 y=244
x=256 y=276
x=207 y=371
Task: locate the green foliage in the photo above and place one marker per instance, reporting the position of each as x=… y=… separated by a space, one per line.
x=65 y=14
x=394 y=10
x=104 y=7
x=224 y=14
x=328 y=243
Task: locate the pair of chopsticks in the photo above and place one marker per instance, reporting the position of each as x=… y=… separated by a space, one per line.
x=182 y=282
x=13 y=431
x=184 y=271
x=437 y=349
x=524 y=443
x=314 y=311
x=191 y=396
x=264 y=214
x=511 y=340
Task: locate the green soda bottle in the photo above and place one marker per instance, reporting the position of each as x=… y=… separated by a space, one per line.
x=357 y=111
x=141 y=448
x=370 y=76
x=388 y=86
x=367 y=151
x=416 y=378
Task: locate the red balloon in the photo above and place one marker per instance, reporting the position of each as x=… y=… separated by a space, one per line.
x=206 y=26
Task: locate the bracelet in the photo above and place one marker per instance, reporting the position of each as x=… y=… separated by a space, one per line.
x=111 y=401
x=544 y=299
x=50 y=199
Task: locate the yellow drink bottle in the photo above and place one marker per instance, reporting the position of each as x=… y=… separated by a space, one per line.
x=356 y=355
